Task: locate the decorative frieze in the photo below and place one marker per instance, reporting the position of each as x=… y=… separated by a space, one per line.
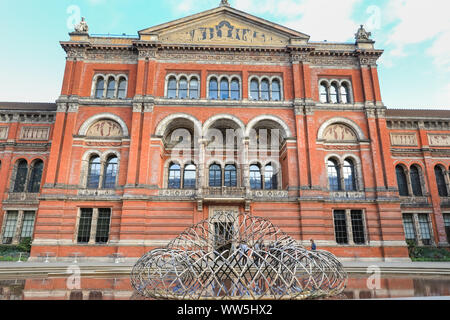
x=404 y=139
x=339 y=133
x=34 y=133
x=4 y=133
x=105 y=129
x=439 y=140
x=270 y=194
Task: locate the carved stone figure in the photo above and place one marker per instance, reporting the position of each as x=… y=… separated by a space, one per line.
x=224 y=3
x=82 y=27
x=362 y=34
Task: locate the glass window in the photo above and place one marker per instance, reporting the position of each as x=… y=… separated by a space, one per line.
x=276 y=90
x=121 y=93
x=84 y=227
x=111 y=88
x=10 y=227
x=94 y=173
x=255 y=177
x=334 y=176
x=21 y=176
x=358 y=227
x=425 y=232
x=334 y=93
x=175 y=176
x=408 y=225
x=254 y=90
x=103 y=223
x=213 y=89
x=111 y=169
x=172 y=88
x=230 y=176
x=402 y=182
x=183 y=89
x=265 y=90
x=447 y=225
x=415 y=181
x=340 y=227
x=440 y=180
x=345 y=93
x=270 y=178
x=323 y=93
x=215 y=176
x=193 y=89
x=28 y=225
x=99 y=88
x=349 y=175
x=235 y=90
x=36 y=176
x=190 y=175
x=224 y=89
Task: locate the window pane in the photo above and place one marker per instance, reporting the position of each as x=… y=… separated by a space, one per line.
x=122 y=88
x=10 y=227
x=99 y=88
x=28 y=224
x=21 y=176
x=110 y=173
x=358 y=227
x=255 y=178
x=345 y=94
x=183 y=89
x=224 y=89
x=103 y=223
x=193 y=89
x=270 y=178
x=408 y=224
x=111 y=88
x=175 y=176
x=190 y=174
x=215 y=176
x=340 y=227
x=265 y=90
x=440 y=180
x=334 y=176
x=415 y=181
x=276 y=90
x=84 y=228
x=94 y=173
x=213 y=89
x=172 y=88
x=230 y=176
x=349 y=176
x=425 y=232
x=334 y=93
x=323 y=93
x=254 y=90
x=36 y=176
x=235 y=90
x=401 y=180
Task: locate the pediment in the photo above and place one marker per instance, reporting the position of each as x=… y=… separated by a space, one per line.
x=223 y=26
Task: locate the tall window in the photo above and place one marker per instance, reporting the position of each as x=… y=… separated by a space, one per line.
x=194 y=89
x=265 y=90
x=276 y=90
x=235 y=90
x=84 y=226
x=28 y=225
x=334 y=93
x=36 y=176
x=10 y=227
x=174 y=176
x=401 y=181
x=111 y=167
x=99 y=88
x=183 y=88
x=103 y=224
x=334 y=176
x=340 y=227
x=270 y=178
x=172 y=88
x=224 y=89
x=255 y=177
x=349 y=175
x=440 y=180
x=189 y=180
x=213 y=89
x=215 y=175
x=111 y=91
x=254 y=90
x=323 y=93
x=358 y=227
x=345 y=93
x=94 y=173
x=408 y=225
x=425 y=232
x=230 y=176
x=447 y=225
x=121 y=93
x=21 y=176
x=415 y=181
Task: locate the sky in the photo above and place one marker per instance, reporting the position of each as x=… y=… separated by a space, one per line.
x=415 y=34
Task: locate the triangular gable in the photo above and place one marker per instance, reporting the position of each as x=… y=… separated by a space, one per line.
x=223 y=26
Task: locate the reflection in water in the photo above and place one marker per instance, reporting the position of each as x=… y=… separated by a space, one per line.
x=119 y=288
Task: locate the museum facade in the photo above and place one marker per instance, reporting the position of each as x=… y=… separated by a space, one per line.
x=222 y=111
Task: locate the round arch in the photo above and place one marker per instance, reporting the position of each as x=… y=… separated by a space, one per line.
x=103 y=116
x=258 y=119
x=350 y=123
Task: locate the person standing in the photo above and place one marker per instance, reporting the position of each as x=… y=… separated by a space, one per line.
x=313 y=245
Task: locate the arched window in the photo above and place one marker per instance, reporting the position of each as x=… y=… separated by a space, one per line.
x=270 y=178
x=349 y=175
x=21 y=176
x=334 y=93
x=193 y=89
x=215 y=176
x=111 y=91
x=190 y=174
x=415 y=181
x=255 y=177
x=235 y=90
x=183 y=88
x=254 y=90
x=265 y=90
x=99 y=88
x=276 y=90
x=111 y=166
x=401 y=181
x=122 y=91
x=174 y=176
x=224 y=89
x=172 y=88
x=334 y=176
x=36 y=176
x=213 y=89
x=440 y=180
x=94 y=173
x=345 y=93
x=323 y=93
x=230 y=176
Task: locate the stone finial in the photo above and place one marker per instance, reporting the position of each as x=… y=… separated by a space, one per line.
x=224 y=3
x=363 y=35
x=82 y=27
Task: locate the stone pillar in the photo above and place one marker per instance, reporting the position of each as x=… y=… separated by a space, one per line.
x=133 y=162
x=93 y=226
x=19 y=225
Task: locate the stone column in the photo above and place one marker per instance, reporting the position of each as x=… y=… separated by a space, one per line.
x=19 y=225
x=93 y=226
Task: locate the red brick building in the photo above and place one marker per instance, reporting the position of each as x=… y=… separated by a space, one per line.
x=131 y=153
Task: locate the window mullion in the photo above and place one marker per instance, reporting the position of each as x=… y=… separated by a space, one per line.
x=348 y=217
x=93 y=233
